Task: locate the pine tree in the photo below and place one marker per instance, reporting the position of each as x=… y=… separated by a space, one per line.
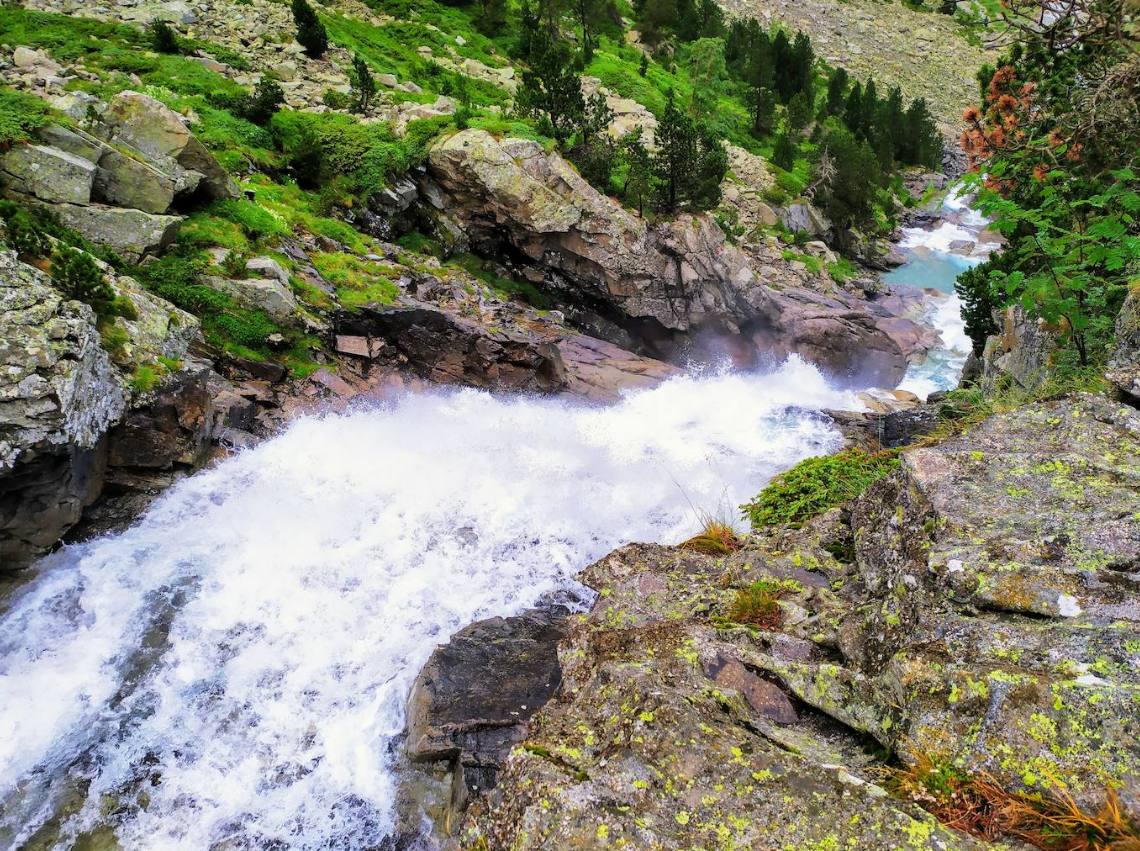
x=363 y=85
x=643 y=66
x=869 y=111
x=802 y=68
x=493 y=17
x=836 y=90
x=163 y=39
x=849 y=192
x=311 y=33
x=266 y=99
x=550 y=88
x=853 y=109
x=784 y=152
x=799 y=112
x=676 y=154
x=781 y=61
x=638 y=170
x=763 y=110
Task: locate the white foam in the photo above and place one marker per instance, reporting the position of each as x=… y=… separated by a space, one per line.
x=941 y=367
x=305 y=582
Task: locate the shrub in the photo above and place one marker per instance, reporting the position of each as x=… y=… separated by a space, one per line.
x=162 y=37
x=716 y=538
x=311 y=33
x=25 y=235
x=20 y=115
x=815 y=485
x=77 y=275
x=260 y=106
x=336 y=100
x=759 y=603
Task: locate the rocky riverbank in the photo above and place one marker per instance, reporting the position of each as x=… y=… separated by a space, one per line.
x=973 y=613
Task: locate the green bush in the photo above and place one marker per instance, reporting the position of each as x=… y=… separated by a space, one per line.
x=77 y=275
x=255 y=221
x=815 y=485
x=20 y=115
x=162 y=37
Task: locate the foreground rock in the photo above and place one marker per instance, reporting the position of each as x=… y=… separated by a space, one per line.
x=677 y=288
x=71 y=424
x=988 y=621
x=59 y=394
x=471 y=702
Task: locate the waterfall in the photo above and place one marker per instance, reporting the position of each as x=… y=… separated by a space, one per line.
x=232 y=670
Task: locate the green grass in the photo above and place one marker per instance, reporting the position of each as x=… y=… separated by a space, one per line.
x=816 y=485
x=20 y=116
x=504 y=288
x=358 y=282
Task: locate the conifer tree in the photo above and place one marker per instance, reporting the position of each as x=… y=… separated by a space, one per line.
x=763 y=110
x=363 y=85
x=836 y=90
x=784 y=152
x=311 y=33
x=550 y=88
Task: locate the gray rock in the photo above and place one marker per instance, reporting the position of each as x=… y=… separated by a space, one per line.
x=802 y=216
x=48 y=173
x=58 y=396
x=77 y=142
x=471 y=701
x=132 y=234
x=266 y=294
x=127 y=182
x=267 y=267
x=1124 y=364
x=676 y=285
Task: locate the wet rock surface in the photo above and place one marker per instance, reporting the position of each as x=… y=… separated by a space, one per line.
x=987 y=620
x=473 y=699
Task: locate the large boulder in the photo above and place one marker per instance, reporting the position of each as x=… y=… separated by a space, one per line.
x=471 y=702
x=126 y=182
x=676 y=286
x=59 y=394
x=132 y=234
x=48 y=173
x=450 y=349
x=161 y=136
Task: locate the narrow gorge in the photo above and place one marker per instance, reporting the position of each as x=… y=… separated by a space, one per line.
x=492 y=425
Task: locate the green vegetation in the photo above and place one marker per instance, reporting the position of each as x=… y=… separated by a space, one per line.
x=20 y=115
x=77 y=275
x=759 y=604
x=311 y=33
x=815 y=485
x=1057 y=137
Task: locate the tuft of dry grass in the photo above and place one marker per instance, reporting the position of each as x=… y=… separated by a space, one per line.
x=979 y=806
x=716 y=538
x=758 y=605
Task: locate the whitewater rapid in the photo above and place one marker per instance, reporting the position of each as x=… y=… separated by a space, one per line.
x=234 y=667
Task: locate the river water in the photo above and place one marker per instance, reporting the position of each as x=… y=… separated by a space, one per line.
x=231 y=672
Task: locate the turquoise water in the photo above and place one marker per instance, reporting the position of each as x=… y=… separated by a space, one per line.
x=930 y=270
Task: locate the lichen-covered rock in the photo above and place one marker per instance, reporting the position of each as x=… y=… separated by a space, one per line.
x=132 y=234
x=48 y=173
x=1004 y=567
x=58 y=395
x=1124 y=365
x=451 y=349
x=664 y=736
x=977 y=609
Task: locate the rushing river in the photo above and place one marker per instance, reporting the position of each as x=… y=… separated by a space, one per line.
x=934 y=259
x=235 y=666
x=231 y=672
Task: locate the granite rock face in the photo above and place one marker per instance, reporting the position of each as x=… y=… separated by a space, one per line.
x=59 y=393
x=678 y=288
x=1124 y=365
x=118 y=181
x=976 y=608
